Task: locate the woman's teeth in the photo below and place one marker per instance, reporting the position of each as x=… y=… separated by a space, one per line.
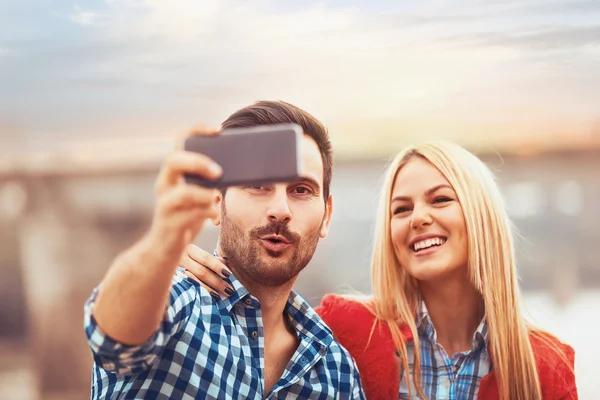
x=427 y=243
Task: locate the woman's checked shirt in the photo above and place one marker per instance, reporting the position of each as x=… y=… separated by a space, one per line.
x=444 y=377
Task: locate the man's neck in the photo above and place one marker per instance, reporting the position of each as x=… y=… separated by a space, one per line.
x=455 y=309
x=272 y=300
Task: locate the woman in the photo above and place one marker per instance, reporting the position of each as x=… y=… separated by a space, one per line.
x=445 y=319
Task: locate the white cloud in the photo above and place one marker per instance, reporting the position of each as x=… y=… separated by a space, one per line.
x=244 y=45
x=178 y=19
x=183 y=20
x=82 y=17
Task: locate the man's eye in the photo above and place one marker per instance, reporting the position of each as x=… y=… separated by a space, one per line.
x=302 y=190
x=255 y=186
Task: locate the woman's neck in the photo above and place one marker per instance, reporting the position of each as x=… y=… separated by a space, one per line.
x=456 y=310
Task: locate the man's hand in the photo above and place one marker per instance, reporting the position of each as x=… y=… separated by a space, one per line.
x=182 y=209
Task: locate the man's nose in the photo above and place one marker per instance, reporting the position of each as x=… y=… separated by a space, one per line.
x=279 y=208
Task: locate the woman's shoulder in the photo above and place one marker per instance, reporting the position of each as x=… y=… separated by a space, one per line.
x=350 y=317
x=339 y=311
x=345 y=303
x=550 y=350
x=556 y=364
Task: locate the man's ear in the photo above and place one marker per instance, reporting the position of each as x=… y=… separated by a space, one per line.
x=326 y=217
x=216 y=220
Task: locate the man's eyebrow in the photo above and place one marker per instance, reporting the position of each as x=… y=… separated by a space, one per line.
x=428 y=192
x=310 y=180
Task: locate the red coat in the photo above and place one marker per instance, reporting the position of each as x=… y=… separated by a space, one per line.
x=379 y=367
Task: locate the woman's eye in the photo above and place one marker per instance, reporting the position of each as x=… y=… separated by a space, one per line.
x=442 y=199
x=400 y=210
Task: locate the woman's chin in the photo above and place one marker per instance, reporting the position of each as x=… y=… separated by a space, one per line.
x=434 y=271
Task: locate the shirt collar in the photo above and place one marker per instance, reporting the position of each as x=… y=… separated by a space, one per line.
x=240 y=294
x=306 y=321
x=302 y=316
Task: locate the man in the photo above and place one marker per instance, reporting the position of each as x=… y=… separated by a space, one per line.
x=156 y=334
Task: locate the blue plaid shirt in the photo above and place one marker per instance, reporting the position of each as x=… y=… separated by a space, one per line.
x=208 y=349
x=444 y=377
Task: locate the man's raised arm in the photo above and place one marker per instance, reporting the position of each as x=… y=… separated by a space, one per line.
x=135 y=291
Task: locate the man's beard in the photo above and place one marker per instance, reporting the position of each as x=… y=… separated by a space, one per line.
x=274 y=269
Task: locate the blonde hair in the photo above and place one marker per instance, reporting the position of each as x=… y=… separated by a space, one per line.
x=493 y=273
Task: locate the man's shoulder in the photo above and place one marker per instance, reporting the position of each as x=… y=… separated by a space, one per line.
x=182 y=288
x=181 y=285
x=188 y=297
x=180 y=280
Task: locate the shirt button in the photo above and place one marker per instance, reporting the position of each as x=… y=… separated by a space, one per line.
x=249 y=301
x=254 y=334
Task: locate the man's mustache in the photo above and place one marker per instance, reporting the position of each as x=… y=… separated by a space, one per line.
x=276 y=228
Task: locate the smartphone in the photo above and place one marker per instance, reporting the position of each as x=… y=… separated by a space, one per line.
x=256 y=155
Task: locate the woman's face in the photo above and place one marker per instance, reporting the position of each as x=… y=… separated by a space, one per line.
x=427 y=224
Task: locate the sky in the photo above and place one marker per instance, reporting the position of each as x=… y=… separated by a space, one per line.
x=378 y=73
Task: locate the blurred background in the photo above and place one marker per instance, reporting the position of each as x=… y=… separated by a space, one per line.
x=93 y=92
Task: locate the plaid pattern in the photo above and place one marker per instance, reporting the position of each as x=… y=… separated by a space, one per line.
x=444 y=377
x=208 y=349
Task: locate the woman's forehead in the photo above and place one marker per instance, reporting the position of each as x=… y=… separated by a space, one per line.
x=418 y=175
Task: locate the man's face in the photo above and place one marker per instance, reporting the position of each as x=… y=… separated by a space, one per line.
x=269 y=233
